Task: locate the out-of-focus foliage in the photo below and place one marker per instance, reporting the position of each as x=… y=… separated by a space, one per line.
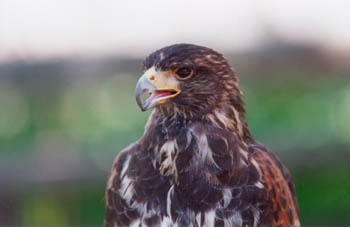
x=62 y=122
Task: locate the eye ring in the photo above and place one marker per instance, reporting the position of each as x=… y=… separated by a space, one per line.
x=183 y=73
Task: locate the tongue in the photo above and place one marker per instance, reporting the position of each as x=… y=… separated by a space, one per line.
x=162 y=93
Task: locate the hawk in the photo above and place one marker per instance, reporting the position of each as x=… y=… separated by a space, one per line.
x=196 y=164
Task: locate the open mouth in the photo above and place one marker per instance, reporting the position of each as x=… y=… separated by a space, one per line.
x=159 y=95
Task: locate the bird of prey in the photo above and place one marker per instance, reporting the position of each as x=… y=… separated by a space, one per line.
x=196 y=164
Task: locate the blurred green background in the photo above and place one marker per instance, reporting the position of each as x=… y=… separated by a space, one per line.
x=68 y=70
x=63 y=121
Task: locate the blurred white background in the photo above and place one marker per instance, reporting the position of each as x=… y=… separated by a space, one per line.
x=43 y=28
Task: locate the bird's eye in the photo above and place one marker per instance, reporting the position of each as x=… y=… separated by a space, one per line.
x=183 y=73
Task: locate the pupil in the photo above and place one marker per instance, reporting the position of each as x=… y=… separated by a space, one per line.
x=183 y=72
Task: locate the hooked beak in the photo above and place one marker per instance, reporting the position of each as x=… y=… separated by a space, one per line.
x=160 y=86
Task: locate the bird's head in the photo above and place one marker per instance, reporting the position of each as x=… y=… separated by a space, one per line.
x=190 y=79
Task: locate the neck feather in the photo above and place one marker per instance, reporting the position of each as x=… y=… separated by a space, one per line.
x=229 y=118
x=226 y=116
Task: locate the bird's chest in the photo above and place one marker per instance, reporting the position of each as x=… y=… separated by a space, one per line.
x=171 y=188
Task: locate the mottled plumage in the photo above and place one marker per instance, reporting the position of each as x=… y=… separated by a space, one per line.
x=197 y=163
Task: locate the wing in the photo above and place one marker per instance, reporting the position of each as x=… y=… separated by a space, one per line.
x=279 y=185
x=257 y=189
x=118 y=212
x=136 y=192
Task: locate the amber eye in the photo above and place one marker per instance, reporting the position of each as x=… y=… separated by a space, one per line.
x=183 y=73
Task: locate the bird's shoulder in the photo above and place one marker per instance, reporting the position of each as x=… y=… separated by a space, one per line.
x=115 y=204
x=120 y=165
x=277 y=182
x=134 y=182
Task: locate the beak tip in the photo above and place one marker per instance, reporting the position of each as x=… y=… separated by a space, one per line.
x=141 y=106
